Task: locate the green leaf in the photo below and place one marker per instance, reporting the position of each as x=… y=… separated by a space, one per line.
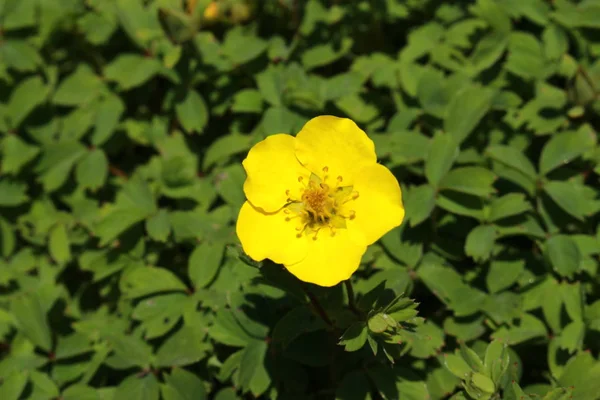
x=184 y=385
x=508 y=205
x=378 y=323
x=108 y=115
x=158 y=226
x=503 y=273
x=483 y=382
x=477 y=181
x=192 y=112
x=31 y=320
x=480 y=242
x=8 y=239
x=565 y=195
x=204 y=263
x=432 y=92
x=571 y=338
x=442 y=153
x=466 y=109
x=16 y=153
x=183 y=347
x=92 y=170
x=138 y=388
x=241 y=47
x=355 y=337
x=13 y=386
x=58 y=244
x=247 y=101
x=296 y=322
x=253 y=358
x=324 y=54
x=564 y=147
x=141 y=281
x=12 y=193
x=131 y=70
x=513 y=158
x=79 y=88
x=56 y=163
x=563 y=254
x=457 y=365
x=30 y=93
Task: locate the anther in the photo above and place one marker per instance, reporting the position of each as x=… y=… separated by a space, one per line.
x=286 y=211
x=352 y=214
x=288 y=219
x=324 y=186
x=332 y=231
x=325 y=169
x=354 y=195
x=287 y=193
x=300 y=178
x=339 y=178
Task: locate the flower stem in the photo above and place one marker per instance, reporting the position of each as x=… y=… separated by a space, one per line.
x=351 y=298
x=318 y=307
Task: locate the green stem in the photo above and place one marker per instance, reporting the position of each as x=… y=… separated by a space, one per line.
x=318 y=307
x=351 y=297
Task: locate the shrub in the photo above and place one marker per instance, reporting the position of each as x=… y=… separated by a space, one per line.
x=123 y=124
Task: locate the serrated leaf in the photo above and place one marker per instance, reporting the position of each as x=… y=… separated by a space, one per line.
x=564 y=147
x=30 y=93
x=31 y=319
x=513 y=158
x=131 y=70
x=466 y=109
x=565 y=195
x=563 y=254
x=192 y=112
x=58 y=244
x=442 y=153
x=141 y=281
x=204 y=263
x=355 y=337
x=480 y=242
x=92 y=170
x=16 y=153
x=186 y=385
x=477 y=181
x=508 y=205
x=138 y=388
x=158 y=226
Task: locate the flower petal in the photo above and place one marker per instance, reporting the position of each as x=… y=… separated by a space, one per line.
x=336 y=143
x=378 y=208
x=269 y=236
x=330 y=259
x=272 y=168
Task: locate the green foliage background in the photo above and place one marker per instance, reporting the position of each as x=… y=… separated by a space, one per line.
x=123 y=124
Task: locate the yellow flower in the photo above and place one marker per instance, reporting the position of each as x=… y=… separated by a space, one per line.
x=317 y=200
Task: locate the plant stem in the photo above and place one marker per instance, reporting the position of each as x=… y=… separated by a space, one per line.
x=351 y=298
x=318 y=307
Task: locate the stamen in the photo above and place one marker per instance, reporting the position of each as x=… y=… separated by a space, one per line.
x=332 y=231
x=324 y=186
x=286 y=211
x=325 y=169
x=287 y=193
x=300 y=179
x=352 y=214
x=340 y=179
x=316 y=233
x=354 y=195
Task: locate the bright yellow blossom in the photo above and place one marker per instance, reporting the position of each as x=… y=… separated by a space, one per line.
x=317 y=200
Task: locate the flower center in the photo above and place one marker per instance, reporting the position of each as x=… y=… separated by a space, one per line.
x=320 y=205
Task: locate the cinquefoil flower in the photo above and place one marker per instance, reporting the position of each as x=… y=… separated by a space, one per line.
x=317 y=200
